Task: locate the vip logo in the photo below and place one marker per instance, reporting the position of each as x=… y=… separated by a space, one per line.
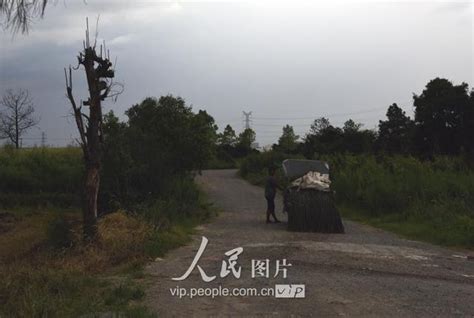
x=290 y=291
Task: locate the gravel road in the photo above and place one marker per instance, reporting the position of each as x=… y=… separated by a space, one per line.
x=366 y=272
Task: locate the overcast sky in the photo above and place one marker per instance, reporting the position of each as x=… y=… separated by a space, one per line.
x=288 y=62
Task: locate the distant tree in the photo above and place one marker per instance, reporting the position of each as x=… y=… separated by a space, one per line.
x=319 y=125
x=351 y=127
x=288 y=140
x=245 y=141
x=167 y=139
x=162 y=141
x=204 y=130
x=323 y=138
x=442 y=115
x=17 y=15
x=395 y=133
x=227 y=137
x=16 y=115
x=330 y=140
x=327 y=139
x=355 y=139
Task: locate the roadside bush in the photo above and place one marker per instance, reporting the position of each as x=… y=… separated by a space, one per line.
x=255 y=167
x=392 y=184
x=181 y=199
x=222 y=160
x=59 y=233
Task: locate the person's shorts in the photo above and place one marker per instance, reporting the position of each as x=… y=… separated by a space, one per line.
x=270 y=204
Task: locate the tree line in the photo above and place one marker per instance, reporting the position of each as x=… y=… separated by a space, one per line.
x=443 y=125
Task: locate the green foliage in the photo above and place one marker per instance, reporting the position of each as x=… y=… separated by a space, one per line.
x=117 y=167
x=255 y=167
x=319 y=125
x=162 y=139
x=40 y=176
x=396 y=133
x=173 y=237
x=167 y=138
x=351 y=126
x=229 y=148
x=245 y=141
x=51 y=293
x=180 y=199
x=444 y=118
x=223 y=158
x=427 y=200
x=60 y=293
x=227 y=137
x=327 y=139
x=59 y=233
x=260 y=163
x=174 y=218
x=287 y=142
x=124 y=293
x=390 y=184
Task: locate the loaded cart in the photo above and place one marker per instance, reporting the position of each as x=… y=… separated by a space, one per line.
x=308 y=199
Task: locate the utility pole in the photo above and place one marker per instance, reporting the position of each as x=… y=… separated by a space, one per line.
x=247 y=119
x=43 y=139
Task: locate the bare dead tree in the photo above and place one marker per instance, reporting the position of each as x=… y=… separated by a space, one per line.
x=99 y=75
x=16 y=115
x=17 y=15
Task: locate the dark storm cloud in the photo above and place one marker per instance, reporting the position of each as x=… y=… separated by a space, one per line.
x=288 y=60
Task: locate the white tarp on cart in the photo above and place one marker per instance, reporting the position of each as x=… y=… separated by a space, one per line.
x=313 y=180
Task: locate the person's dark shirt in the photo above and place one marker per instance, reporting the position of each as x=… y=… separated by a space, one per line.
x=270 y=187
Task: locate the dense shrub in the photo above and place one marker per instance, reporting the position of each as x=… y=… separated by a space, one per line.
x=163 y=141
x=394 y=184
x=59 y=233
x=179 y=201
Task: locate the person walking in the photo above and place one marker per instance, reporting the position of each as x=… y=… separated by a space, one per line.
x=271 y=186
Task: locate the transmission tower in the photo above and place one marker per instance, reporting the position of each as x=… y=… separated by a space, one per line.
x=247 y=119
x=43 y=139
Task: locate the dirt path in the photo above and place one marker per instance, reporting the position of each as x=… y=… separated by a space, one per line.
x=365 y=272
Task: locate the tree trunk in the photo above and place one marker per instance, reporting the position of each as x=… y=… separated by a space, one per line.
x=98 y=72
x=17 y=134
x=91 y=191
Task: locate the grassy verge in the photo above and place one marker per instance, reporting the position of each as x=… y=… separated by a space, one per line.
x=47 y=272
x=456 y=232
x=40 y=176
x=427 y=201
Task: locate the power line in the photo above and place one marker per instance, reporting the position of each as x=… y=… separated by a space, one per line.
x=325 y=115
x=363 y=111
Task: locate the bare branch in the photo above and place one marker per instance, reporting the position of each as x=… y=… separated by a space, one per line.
x=16 y=115
x=77 y=110
x=17 y=15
